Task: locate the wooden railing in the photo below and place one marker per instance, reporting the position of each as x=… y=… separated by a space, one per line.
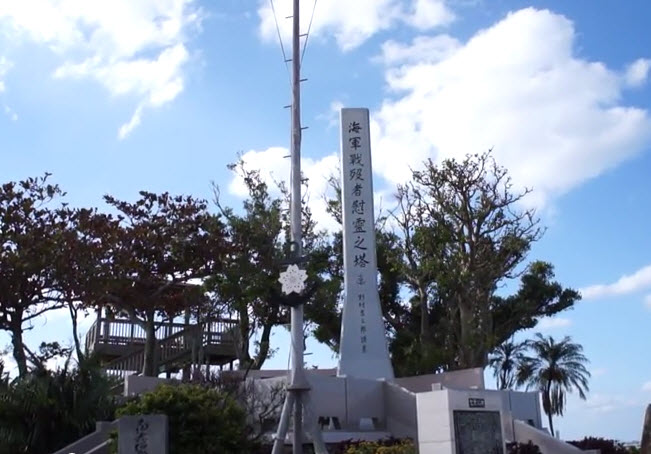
x=126 y=332
x=169 y=349
x=126 y=365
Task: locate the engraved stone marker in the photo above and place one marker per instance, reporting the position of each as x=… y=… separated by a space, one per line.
x=363 y=350
x=478 y=432
x=142 y=434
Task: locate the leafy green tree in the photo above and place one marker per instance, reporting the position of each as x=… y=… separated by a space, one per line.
x=555 y=369
x=506 y=361
x=460 y=235
x=160 y=245
x=31 y=222
x=247 y=285
x=246 y=282
x=200 y=420
x=82 y=269
x=455 y=236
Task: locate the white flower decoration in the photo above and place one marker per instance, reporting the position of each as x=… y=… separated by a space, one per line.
x=293 y=279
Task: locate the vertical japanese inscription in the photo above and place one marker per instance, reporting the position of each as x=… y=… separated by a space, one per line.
x=141 y=441
x=363 y=351
x=357 y=154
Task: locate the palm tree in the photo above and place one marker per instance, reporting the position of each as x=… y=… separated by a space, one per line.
x=506 y=361
x=556 y=369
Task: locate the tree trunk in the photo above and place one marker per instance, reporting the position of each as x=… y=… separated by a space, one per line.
x=149 y=362
x=242 y=343
x=424 y=315
x=547 y=406
x=551 y=423
x=19 y=347
x=75 y=331
x=261 y=357
x=466 y=327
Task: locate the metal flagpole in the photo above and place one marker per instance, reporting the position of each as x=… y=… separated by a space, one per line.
x=297 y=399
x=297 y=380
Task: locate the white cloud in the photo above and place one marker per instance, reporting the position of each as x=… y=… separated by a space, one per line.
x=647 y=301
x=10 y=365
x=274 y=167
x=5 y=66
x=331 y=116
x=627 y=284
x=646 y=386
x=352 y=22
x=555 y=120
x=423 y=49
x=131 y=48
x=429 y=13
x=10 y=113
x=606 y=403
x=547 y=324
x=638 y=72
x=599 y=372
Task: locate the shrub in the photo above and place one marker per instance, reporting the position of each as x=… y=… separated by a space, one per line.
x=390 y=446
x=522 y=448
x=45 y=410
x=606 y=446
x=201 y=420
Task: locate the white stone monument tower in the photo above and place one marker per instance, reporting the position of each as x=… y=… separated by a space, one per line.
x=363 y=351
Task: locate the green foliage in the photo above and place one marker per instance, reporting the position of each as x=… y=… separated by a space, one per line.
x=30 y=231
x=44 y=411
x=201 y=420
x=247 y=284
x=522 y=448
x=390 y=446
x=506 y=360
x=159 y=244
x=604 y=445
x=555 y=369
x=458 y=233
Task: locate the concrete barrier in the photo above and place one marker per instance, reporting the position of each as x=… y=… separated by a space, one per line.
x=547 y=444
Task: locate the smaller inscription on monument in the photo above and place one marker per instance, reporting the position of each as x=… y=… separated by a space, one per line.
x=142 y=434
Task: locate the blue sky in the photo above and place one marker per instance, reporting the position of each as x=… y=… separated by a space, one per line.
x=114 y=97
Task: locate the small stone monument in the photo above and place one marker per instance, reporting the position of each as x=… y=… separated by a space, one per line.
x=363 y=350
x=645 y=445
x=142 y=434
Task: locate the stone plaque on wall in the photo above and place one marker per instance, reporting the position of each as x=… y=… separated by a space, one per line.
x=142 y=434
x=478 y=432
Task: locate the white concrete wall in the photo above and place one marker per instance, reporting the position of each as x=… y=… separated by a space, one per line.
x=494 y=400
x=137 y=384
x=458 y=379
x=328 y=396
x=547 y=444
x=401 y=413
x=435 y=428
x=364 y=399
x=435 y=415
x=525 y=406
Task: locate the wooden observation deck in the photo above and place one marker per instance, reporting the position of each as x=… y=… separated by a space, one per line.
x=120 y=345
